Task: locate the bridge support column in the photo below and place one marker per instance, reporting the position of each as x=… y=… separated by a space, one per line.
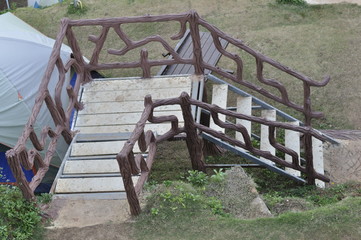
x=292 y=141
x=219 y=97
x=317 y=152
x=244 y=106
x=265 y=144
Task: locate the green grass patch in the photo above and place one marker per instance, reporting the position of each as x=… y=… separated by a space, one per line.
x=313 y=195
x=172 y=162
x=336 y=221
x=19 y=219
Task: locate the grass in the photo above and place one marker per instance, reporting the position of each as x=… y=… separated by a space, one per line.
x=333 y=221
x=176 y=210
x=330 y=222
x=315 y=40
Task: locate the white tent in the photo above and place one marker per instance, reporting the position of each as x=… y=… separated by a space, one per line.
x=24 y=55
x=42 y=3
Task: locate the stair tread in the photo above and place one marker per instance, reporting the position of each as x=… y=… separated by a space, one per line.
x=116 y=84
x=159 y=129
x=91 y=196
x=133 y=94
x=121 y=107
x=99 y=148
x=91 y=166
x=97 y=137
x=104 y=119
x=91 y=185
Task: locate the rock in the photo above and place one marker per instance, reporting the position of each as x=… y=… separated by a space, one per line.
x=259 y=208
x=239 y=195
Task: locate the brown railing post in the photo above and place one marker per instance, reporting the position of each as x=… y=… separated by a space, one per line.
x=308 y=137
x=128 y=184
x=193 y=142
x=22 y=183
x=197 y=48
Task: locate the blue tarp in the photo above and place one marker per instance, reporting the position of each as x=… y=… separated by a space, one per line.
x=6 y=175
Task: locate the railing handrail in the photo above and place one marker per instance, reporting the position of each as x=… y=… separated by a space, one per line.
x=19 y=156
x=264 y=105
x=194 y=21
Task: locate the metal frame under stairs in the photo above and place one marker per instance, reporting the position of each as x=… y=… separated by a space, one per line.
x=248 y=104
x=257 y=161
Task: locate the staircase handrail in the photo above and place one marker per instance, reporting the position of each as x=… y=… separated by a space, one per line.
x=19 y=156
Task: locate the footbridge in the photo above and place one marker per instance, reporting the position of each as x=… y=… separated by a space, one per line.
x=118 y=122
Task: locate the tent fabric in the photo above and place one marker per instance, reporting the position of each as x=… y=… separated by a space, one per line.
x=42 y=3
x=24 y=55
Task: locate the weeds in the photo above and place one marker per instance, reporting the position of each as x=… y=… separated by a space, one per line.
x=308 y=197
x=76 y=7
x=197 y=179
x=174 y=198
x=19 y=219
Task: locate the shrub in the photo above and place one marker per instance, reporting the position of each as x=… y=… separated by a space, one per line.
x=77 y=8
x=197 y=178
x=19 y=219
x=178 y=198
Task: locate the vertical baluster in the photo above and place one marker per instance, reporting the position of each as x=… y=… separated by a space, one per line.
x=317 y=151
x=265 y=144
x=219 y=97
x=292 y=141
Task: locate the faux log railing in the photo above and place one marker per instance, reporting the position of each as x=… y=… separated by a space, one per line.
x=130 y=164
x=19 y=155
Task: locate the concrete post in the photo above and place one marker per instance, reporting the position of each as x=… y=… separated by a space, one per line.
x=292 y=141
x=219 y=97
x=265 y=144
x=317 y=152
x=244 y=106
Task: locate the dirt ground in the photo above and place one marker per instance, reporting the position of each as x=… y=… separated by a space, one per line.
x=332 y=1
x=88 y=219
x=109 y=231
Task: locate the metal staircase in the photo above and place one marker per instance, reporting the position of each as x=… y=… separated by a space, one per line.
x=112 y=108
x=248 y=104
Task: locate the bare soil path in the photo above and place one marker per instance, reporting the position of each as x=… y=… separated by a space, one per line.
x=333 y=1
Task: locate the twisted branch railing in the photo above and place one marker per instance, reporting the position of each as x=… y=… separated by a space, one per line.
x=20 y=156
